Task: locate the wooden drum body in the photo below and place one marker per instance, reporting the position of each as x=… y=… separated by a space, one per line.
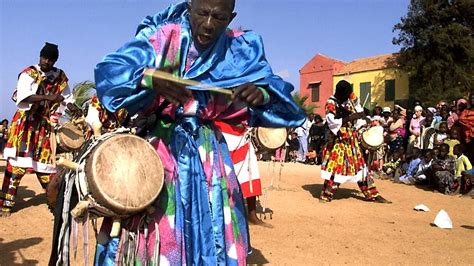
x=269 y=138
x=122 y=175
x=69 y=137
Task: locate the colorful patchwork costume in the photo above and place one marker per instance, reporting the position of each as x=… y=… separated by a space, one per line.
x=200 y=215
x=343 y=159
x=29 y=147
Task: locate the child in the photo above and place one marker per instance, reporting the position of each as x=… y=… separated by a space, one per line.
x=463 y=165
x=390 y=166
x=408 y=178
x=294 y=146
x=453 y=140
x=444 y=170
x=440 y=135
x=424 y=169
x=311 y=156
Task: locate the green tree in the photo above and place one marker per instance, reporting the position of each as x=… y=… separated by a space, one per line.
x=308 y=108
x=437 y=48
x=83 y=92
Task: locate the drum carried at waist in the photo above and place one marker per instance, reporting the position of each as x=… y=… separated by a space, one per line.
x=69 y=137
x=372 y=138
x=265 y=138
x=118 y=176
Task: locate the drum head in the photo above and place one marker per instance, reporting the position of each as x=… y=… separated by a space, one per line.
x=70 y=137
x=124 y=173
x=373 y=138
x=272 y=138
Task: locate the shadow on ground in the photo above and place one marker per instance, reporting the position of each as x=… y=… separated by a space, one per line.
x=256 y=258
x=27 y=198
x=342 y=193
x=11 y=251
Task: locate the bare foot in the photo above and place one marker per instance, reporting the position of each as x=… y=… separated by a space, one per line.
x=4 y=214
x=253 y=220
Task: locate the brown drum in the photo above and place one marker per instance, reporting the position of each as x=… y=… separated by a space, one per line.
x=69 y=137
x=269 y=138
x=123 y=175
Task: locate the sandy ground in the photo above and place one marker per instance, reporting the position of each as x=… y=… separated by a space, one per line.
x=305 y=232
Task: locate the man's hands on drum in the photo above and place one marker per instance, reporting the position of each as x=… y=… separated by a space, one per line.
x=248 y=93
x=175 y=93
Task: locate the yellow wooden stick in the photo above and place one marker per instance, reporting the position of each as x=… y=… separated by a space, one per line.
x=188 y=82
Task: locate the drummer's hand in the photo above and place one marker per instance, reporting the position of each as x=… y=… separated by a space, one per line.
x=175 y=93
x=248 y=93
x=76 y=111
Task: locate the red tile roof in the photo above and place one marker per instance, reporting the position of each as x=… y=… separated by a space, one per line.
x=369 y=63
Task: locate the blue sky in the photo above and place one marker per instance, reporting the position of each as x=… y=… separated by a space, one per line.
x=293 y=32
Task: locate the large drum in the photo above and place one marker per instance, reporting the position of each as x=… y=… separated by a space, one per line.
x=69 y=137
x=265 y=138
x=372 y=138
x=119 y=175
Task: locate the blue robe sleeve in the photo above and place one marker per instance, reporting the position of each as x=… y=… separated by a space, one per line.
x=118 y=77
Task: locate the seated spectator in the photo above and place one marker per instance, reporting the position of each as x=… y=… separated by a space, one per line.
x=408 y=177
x=293 y=147
x=427 y=130
x=444 y=170
x=463 y=166
x=424 y=168
x=441 y=134
x=391 y=165
x=452 y=140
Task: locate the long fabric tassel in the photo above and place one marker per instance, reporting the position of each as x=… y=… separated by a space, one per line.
x=156 y=252
x=85 y=235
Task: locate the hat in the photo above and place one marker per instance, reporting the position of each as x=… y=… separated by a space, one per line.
x=386 y=109
x=418 y=108
x=50 y=51
x=432 y=110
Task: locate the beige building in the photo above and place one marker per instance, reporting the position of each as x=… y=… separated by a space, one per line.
x=376 y=80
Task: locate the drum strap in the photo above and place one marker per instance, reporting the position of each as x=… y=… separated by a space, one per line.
x=53 y=144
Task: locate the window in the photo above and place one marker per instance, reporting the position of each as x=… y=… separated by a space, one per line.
x=390 y=90
x=314 y=91
x=365 y=94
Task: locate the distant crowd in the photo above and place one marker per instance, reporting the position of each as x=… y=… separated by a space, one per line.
x=424 y=146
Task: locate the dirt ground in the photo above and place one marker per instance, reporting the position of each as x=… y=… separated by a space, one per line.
x=305 y=232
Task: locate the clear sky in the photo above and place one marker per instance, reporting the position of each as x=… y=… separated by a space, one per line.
x=293 y=32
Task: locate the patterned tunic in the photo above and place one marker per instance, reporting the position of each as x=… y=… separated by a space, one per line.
x=28 y=143
x=342 y=156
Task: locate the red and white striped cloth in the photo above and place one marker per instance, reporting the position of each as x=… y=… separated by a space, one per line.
x=244 y=158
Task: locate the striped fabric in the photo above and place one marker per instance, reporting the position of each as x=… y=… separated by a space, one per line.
x=244 y=158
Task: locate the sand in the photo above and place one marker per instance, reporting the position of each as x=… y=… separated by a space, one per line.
x=348 y=230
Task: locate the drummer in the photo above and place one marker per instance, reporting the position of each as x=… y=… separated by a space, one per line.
x=42 y=93
x=343 y=159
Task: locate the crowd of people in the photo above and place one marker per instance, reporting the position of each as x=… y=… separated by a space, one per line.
x=425 y=146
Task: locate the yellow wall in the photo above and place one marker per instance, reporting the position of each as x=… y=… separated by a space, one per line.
x=377 y=82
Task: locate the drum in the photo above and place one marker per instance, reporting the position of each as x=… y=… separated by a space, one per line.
x=372 y=138
x=265 y=138
x=119 y=175
x=69 y=137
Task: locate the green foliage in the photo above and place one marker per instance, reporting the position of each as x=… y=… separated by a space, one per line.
x=308 y=108
x=437 y=48
x=83 y=92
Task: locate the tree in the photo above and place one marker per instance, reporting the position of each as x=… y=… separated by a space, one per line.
x=308 y=108
x=83 y=92
x=437 y=48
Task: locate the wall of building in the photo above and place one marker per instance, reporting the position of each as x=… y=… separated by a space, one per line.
x=377 y=79
x=319 y=69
